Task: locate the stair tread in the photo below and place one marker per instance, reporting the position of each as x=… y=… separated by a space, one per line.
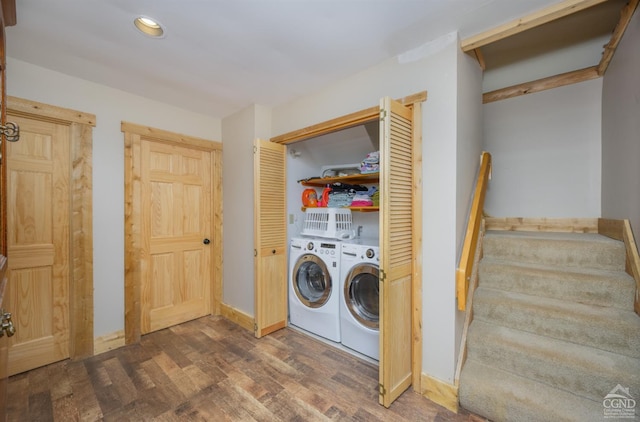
x=540 y=313
x=553 y=304
x=573 y=367
x=502 y=396
x=590 y=286
x=565 y=249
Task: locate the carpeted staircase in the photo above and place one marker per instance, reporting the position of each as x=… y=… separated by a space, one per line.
x=553 y=328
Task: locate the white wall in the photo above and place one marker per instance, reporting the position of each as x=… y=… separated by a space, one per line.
x=431 y=68
x=469 y=147
x=546 y=151
x=621 y=131
x=110 y=107
x=238 y=133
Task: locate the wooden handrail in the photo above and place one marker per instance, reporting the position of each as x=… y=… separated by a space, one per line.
x=463 y=272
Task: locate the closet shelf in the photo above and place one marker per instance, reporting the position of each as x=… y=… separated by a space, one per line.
x=359 y=209
x=354 y=179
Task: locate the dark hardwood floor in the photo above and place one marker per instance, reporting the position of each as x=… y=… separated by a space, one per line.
x=213 y=370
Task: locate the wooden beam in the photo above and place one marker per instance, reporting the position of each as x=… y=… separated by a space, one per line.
x=538 y=18
x=625 y=17
x=541 y=84
x=479 y=57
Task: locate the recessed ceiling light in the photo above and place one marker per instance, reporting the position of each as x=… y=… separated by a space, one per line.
x=149 y=26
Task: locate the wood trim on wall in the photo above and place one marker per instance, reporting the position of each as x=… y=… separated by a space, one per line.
x=217 y=228
x=343 y=122
x=169 y=137
x=81 y=308
x=576 y=225
x=81 y=253
x=109 y=342
x=532 y=20
x=244 y=320
x=132 y=241
x=46 y=112
x=133 y=135
x=541 y=84
x=440 y=392
x=416 y=286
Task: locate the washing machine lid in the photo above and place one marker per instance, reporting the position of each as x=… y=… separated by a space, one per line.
x=362 y=294
x=312 y=281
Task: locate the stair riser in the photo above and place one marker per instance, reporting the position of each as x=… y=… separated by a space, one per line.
x=587 y=376
x=591 y=289
x=503 y=397
x=613 y=336
x=561 y=253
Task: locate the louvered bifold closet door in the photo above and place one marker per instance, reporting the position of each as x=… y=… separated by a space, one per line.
x=396 y=248
x=270 y=237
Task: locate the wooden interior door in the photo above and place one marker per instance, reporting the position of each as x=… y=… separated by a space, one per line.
x=176 y=201
x=270 y=237
x=38 y=189
x=396 y=249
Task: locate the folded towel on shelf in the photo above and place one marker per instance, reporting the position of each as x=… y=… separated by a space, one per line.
x=369 y=168
x=361 y=200
x=340 y=199
x=372 y=157
x=375 y=197
x=371 y=163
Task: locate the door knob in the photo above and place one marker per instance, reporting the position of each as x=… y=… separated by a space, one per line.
x=206 y=241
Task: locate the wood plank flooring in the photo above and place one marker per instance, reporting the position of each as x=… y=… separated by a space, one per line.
x=210 y=369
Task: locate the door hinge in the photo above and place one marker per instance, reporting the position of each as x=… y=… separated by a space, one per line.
x=255 y=327
x=381 y=390
x=383 y=114
x=255 y=252
x=383 y=275
x=255 y=149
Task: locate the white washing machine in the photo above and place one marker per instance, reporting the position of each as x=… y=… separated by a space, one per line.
x=314 y=278
x=360 y=297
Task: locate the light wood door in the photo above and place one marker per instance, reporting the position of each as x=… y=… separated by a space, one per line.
x=176 y=233
x=38 y=191
x=270 y=237
x=396 y=249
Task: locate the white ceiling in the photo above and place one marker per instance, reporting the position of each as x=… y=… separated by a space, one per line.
x=219 y=56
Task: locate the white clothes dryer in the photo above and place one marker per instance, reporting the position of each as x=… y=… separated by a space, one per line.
x=314 y=278
x=360 y=297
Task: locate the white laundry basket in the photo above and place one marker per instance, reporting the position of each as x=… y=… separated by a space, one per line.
x=332 y=223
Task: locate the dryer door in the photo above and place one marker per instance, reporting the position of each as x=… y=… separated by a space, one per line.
x=362 y=294
x=312 y=281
